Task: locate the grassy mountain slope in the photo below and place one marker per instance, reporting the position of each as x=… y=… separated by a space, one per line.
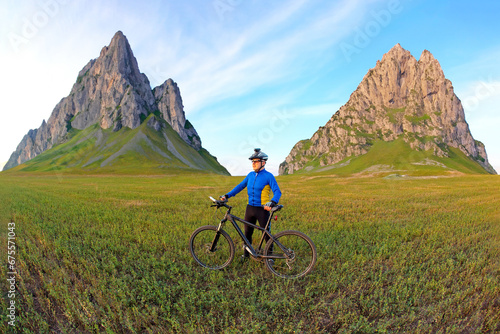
x=398 y=157
x=142 y=149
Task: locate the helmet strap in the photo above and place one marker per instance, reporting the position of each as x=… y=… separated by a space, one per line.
x=261 y=165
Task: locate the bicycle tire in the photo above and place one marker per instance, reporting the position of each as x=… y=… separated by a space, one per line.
x=201 y=241
x=299 y=262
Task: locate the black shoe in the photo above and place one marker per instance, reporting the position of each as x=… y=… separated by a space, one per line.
x=244 y=258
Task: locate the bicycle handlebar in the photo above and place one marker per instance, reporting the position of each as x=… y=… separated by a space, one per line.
x=218 y=204
x=276 y=208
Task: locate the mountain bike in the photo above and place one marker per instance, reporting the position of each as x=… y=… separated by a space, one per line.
x=287 y=254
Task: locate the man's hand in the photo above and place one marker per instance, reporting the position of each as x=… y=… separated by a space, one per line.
x=223 y=198
x=269 y=205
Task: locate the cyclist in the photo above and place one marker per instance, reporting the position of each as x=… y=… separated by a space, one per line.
x=259 y=184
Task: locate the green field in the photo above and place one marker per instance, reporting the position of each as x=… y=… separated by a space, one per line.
x=109 y=254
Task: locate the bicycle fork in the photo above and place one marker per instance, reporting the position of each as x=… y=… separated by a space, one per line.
x=213 y=248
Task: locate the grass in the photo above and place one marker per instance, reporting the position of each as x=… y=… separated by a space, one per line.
x=108 y=253
x=398 y=157
x=415 y=120
x=395 y=114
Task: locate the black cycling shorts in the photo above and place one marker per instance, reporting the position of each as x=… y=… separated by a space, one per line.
x=254 y=214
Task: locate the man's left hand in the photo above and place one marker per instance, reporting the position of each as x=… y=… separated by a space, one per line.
x=269 y=205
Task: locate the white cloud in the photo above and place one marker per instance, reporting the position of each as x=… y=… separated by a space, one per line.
x=481 y=101
x=477 y=84
x=274 y=128
x=481 y=97
x=229 y=64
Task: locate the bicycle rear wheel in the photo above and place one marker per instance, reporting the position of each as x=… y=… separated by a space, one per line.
x=294 y=252
x=210 y=248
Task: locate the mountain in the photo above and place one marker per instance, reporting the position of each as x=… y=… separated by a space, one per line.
x=112 y=115
x=400 y=100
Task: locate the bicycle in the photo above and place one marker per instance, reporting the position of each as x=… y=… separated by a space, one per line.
x=287 y=254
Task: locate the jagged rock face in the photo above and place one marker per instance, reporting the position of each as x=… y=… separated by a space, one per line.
x=400 y=96
x=29 y=148
x=111 y=91
x=169 y=102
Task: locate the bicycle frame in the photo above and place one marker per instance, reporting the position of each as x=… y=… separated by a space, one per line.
x=232 y=218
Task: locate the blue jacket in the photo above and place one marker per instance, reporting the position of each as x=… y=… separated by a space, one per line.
x=259 y=186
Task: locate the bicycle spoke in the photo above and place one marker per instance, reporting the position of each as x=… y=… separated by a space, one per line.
x=294 y=254
x=211 y=249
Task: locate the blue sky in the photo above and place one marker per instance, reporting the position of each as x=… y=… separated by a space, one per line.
x=251 y=73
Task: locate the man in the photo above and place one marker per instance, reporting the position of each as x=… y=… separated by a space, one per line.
x=259 y=184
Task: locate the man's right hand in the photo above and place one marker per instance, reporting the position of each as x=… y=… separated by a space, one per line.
x=223 y=198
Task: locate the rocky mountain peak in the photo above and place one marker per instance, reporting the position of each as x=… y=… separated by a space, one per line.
x=119 y=58
x=396 y=52
x=169 y=101
x=430 y=66
x=427 y=57
x=112 y=92
x=399 y=98
x=118 y=38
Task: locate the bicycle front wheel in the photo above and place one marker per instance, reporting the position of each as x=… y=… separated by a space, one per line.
x=294 y=254
x=212 y=249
